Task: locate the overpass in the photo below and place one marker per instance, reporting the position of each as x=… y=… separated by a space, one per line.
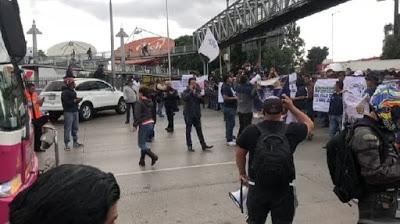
x=246 y=19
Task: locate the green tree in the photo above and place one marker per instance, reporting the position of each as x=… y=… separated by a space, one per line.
x=391 y=48
x=190 y=62
x=293 y=41
x=280 y=58
x=316 y=55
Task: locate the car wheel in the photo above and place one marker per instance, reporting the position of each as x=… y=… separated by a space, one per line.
x=86 y=111
x=121 y=107
x=54 y=116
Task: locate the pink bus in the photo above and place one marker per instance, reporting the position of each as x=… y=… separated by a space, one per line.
x=18 y=162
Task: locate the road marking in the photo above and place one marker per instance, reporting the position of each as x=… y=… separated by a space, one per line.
x=174 y=169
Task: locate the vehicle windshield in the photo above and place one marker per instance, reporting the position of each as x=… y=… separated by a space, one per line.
x=55 y=86
x=4 y=58
x=12 y=108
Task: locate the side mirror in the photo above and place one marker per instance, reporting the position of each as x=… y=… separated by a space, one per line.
x=11 y=29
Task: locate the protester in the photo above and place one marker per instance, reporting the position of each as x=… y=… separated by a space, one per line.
x=160 y=90
x=245 y=94
x=69 y=73
x=372 y=83
x=68 y=194
x=144 y=120
x=99 y=73
x=192 y=114
x=38 y=119
x=70 y=103
x=336 y=110
x=271 y=191
x=378 y=160
x=300 y=100
x=171 y=99
x=230 y=106
x=130 y=96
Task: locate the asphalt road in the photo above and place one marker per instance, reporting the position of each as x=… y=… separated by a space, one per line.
x=192 y=188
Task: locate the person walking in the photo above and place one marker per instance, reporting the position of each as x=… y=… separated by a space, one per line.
x=230 y=106
x=245 y=94
x=171 y=105
x=160 y=90
x=38 y=119
x=144 y=120
x=270 y=145
x=89 y=53
x=70 y=103
x=130 y=96
x=192 y=114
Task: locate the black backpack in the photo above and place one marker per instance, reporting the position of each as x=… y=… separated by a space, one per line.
x=343 y=165
x=273 y=160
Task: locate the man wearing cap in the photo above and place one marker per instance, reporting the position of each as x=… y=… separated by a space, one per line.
x=280 y=202
x=378 y=159
x=70 y=103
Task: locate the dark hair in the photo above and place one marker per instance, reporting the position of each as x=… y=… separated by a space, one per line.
x=339 y=84
x=191 y=80
x=225 y=78
x=144 y=91
x=243 y=79
x=30 y=85
x=68 y=194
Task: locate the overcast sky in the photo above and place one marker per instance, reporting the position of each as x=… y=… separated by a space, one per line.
x=358 y=24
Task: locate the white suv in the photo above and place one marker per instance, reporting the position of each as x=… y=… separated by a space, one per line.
x=97 y=95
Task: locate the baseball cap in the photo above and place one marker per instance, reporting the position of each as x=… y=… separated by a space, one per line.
x=273 y=106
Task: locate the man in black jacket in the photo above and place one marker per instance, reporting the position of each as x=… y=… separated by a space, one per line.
x=70 y=103
x=171 y=105
x=192 y=98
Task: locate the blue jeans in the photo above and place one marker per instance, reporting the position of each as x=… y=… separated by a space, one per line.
x=160 y=107
x=230 y=115
x=71 y=126
x=335 y=124
x=144 y=134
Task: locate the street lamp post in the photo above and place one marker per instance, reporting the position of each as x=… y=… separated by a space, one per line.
x=168 y=42
x=333 y=14
x=112 y=44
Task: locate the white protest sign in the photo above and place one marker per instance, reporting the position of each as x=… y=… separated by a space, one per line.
x=200 y=80
x=292 y=85
x=323 y=90
x=354 y=88
x=177 y=85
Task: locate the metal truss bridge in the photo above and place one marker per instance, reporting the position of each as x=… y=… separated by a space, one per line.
x=246 y=19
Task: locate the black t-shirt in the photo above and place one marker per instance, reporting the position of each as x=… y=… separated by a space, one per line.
x=227 y=90
x=295 y=133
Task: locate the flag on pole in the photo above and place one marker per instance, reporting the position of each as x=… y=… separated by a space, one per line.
x=209 y=46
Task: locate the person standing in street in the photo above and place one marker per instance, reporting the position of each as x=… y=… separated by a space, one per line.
x=89 y=53
x=70 y=103
x=245 y=94
x=336 y=110
x=38 y=119
x=270 y=145
x=230 y=106
x=69 y=73
x=171 y=105
x=130 y=96
x=160 y=90
x=192 y=114
x=144 y=120
x=99 y=73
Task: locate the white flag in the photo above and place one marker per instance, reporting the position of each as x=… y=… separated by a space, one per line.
x=209 y=47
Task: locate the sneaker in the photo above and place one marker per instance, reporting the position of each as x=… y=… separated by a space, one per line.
x=231 y=143
x=77 y=145
x=67 y=148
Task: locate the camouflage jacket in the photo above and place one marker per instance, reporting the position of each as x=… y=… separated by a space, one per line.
x=378 y=160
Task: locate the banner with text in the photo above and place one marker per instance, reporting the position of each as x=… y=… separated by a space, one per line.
x=323 y=90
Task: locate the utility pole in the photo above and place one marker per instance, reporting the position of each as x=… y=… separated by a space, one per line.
x=168 y=44
x=112 y=44
x=34 y=32
x=122 y=36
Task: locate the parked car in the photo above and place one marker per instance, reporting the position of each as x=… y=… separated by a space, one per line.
x=97 y=95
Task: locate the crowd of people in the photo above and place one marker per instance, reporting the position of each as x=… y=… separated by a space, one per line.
x=267 y=146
